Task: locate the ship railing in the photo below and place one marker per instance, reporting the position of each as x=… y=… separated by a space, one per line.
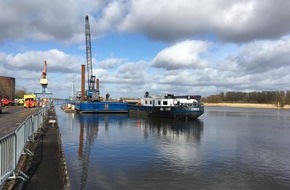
x=13 y=145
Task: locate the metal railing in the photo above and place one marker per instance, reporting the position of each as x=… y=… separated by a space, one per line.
x=12 y=146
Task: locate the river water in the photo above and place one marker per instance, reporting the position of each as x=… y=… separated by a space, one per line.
x=227 y=148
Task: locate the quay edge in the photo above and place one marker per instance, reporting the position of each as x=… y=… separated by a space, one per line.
x=46 y=168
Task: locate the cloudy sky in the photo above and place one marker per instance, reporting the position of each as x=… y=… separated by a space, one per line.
x=182 y=47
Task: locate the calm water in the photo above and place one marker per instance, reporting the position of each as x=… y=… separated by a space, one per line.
x=227 y=148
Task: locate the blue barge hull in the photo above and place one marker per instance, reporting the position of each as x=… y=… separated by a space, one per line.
x=102 y=107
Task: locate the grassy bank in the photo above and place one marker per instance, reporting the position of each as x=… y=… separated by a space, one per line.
x=247 y=105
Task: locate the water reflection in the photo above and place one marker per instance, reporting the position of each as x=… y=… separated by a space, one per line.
x=89 y=127
x=227 y=149
x=251 y=113
x=170 y=141
x=177 y=143
x=171 y=128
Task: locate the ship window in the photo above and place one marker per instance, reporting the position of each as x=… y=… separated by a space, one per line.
x=150 y=102
x=159 y=102
x=164 y=102
x=145 y=101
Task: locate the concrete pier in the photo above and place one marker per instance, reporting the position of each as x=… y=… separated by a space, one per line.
x=46 y=168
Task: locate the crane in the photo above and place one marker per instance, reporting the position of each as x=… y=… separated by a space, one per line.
x=92 y=92
x=43 y=80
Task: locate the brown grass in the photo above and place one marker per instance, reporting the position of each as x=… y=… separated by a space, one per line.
x=248 y=105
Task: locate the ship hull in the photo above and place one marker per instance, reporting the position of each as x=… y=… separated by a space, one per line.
x=186 y=112
x=102 y=107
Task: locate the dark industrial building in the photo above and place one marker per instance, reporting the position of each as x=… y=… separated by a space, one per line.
x=7 y=87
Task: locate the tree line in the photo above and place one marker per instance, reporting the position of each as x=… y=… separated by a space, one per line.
x=18 y=93
x=263 y=97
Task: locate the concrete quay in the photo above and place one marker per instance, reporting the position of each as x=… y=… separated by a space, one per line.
x=46 y=168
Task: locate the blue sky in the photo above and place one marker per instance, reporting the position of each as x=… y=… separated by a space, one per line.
x=182 y=47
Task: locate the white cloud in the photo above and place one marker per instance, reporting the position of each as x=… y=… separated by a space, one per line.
x=110 y=17
x=127 y=73
x=183 y=55
x=238 y=14
x=263 y=56
x=110 y=63
x=227 y=20
x=212 y=45
x=27 y=68
x=45 y=20
x=57 y=61
x=240 y=70
x=237 y=21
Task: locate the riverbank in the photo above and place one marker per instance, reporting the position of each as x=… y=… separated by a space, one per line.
x=248 y=105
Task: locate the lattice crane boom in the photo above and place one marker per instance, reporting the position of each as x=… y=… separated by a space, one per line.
x=92 y=92
x=91 y=78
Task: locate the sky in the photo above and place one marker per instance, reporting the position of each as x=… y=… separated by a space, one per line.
x=163 y=47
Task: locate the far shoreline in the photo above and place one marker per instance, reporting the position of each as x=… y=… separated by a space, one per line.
x=247 y=105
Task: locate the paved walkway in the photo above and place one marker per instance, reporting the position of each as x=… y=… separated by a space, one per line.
x=13 y=116
x=46 y=170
